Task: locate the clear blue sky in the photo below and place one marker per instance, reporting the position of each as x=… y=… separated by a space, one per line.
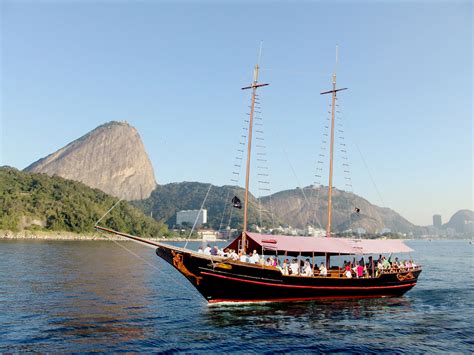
x=174 y=71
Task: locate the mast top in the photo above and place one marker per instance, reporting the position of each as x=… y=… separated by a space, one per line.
x=334 y=90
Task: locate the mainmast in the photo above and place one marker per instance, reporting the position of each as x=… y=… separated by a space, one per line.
x=331 y=145
x=254 y=87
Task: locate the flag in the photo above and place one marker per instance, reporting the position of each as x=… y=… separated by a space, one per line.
x=236 y=202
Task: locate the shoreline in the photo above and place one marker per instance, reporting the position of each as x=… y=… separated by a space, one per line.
x=68 y=236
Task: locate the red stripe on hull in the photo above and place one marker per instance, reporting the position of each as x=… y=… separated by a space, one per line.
x=311 y=287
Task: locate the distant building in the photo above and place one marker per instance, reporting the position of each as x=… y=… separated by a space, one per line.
x=450 y=232
x=190 y=216
x=437 y=220
x=208 y=235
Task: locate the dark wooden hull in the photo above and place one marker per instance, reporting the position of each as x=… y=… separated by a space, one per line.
x=220 y=280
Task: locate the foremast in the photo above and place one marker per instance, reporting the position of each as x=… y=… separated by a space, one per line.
x=254 y=86
x=331 y=144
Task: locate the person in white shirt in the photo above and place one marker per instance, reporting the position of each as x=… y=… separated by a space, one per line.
x=250 y=259
x=294 y=267
x=233 y=255
x=200 y=250
x=255 y=258
x=207 y=250
x=243 y=258
x=322 y=270
x=307 y=271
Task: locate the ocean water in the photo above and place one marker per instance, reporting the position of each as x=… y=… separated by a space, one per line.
x=109 y=296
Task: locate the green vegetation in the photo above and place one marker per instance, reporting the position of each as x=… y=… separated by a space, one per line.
x=168 y=199
x=39 y=202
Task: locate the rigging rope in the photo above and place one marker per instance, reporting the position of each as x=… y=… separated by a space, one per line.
x=197 y=217
x=346 y=166
x=370 y=175
x=296 y=176
x=110 y=209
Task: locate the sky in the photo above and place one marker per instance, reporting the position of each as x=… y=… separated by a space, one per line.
x=175 y=69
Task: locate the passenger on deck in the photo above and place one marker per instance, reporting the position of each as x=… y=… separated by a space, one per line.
x=379 y=268
x=348 y=271
x=371 y=267
x=380 y=259
x=200 y=250
x=385 y=263
x=214 y=250
x=395 y=265
x=233 y=255
x=255 y=258
x=250 y=258
x=242 y=257
x=207 y=250
x=322 y=270
x=268 y=262
x=408 y=265
x=277 y=264
x=307 y=268
x=285 y=268
x=294 y=267
x=360 y=270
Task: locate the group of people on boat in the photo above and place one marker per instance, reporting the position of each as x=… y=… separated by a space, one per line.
x=302 y=268
x=296 y=267
x=374 y=268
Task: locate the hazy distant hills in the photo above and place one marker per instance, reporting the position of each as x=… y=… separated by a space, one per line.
x=111 y=158
x=462 y=222
x=40 y=202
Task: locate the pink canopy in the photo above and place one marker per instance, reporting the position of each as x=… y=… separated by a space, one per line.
x=320 y=246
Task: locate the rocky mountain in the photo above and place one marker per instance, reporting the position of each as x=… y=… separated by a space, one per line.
x=298 y=208
x=462 y=222
x=111 y=158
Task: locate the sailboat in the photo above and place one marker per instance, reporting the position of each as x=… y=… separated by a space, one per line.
x=224 y=279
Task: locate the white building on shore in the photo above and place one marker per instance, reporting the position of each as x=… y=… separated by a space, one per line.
x=190 y=216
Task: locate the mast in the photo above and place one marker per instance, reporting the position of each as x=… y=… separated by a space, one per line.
x=254 y=87
x=331 y=144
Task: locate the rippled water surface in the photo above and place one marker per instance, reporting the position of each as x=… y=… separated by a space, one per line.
x=105 y=296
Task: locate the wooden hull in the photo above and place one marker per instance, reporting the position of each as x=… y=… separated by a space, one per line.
x=221 y=280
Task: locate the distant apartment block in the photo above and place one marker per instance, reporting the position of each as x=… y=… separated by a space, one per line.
x=437 y=220
x=190 y=216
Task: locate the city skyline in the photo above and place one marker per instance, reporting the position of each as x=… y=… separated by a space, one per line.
x=174 y=71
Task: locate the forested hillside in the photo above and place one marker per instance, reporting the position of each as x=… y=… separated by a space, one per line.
x=167 y=199
x=38 y=202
